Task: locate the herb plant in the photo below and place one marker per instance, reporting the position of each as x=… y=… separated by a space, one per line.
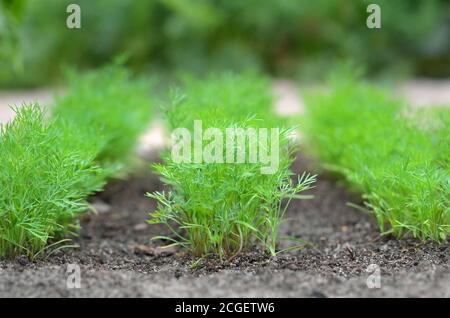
x=396 y=157
x=114 y=107
x=47 y=171
x=223 y=209
x=50 y=165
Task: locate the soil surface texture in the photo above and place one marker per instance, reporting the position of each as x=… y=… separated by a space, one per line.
x=117 y=257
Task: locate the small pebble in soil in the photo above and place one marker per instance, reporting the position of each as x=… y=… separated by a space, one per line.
x=140 y=227
x=178 y=274
x=100 y=206
x=22 y=260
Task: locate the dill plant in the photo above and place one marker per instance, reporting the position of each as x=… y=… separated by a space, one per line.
x=110 y=104
x=224 y=209
x=397 y=157
x=51 y=164
x=47 y=171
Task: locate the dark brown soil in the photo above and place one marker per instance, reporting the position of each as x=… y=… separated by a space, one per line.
x=118 y=259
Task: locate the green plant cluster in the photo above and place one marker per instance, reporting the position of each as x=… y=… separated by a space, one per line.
x=114 y=106
x=46 y=175
x=281 y=37
x=51 y=164
x=397 y=157
x=223 y=209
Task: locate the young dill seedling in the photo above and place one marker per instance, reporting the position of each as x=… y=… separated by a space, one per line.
x=112 y=106
x=398 y=160
x=226 y=208
x=47 y=172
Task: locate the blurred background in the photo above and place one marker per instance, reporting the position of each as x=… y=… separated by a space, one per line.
x=299 y=39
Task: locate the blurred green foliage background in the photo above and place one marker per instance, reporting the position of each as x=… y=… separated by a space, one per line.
x=300 y=38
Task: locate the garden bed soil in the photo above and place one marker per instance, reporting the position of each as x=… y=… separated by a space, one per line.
x=118 y=259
